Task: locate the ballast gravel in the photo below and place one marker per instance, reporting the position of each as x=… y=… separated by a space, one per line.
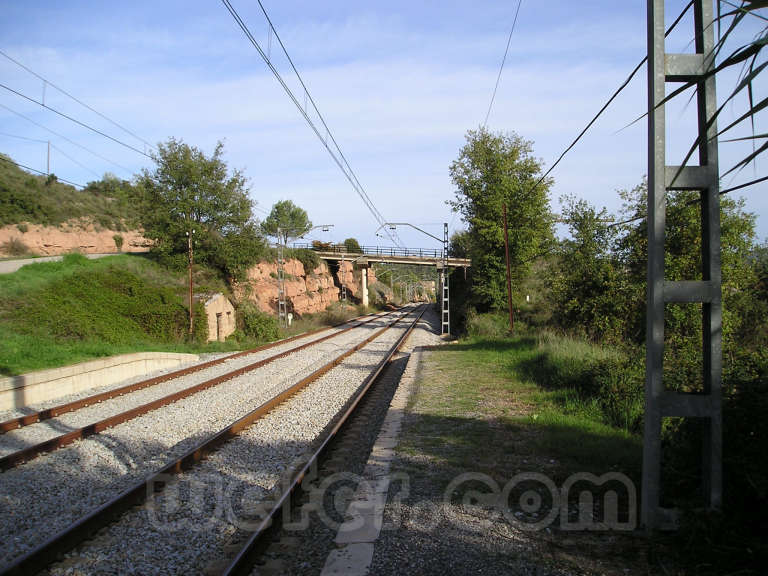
x=201 y=511
x=207 y=357
x=17 y=439
x=45 y=495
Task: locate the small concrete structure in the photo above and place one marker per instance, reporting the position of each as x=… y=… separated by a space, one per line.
x=35 y=387
x=221 y=316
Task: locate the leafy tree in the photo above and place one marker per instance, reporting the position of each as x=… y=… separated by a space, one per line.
x=191 y=193
x=352 y=245
x=588 y=287
x=491 y=170
x=290 y=220
x=458 y=246
x=683 y=262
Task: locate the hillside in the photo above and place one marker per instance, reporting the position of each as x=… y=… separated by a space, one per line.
x=57 y=313
x=109 y=203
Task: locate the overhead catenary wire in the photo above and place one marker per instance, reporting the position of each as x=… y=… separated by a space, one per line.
x=24 y=138
x=75 y=120
x=503 y=60
x=38 y=141
x=610 y=100
x=52 y=85
x=68 y=157
x=9 y=161
x=338 y=156
x=96 y=154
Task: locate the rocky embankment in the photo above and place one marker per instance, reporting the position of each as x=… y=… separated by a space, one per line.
x=72 y=236
x=306 y=293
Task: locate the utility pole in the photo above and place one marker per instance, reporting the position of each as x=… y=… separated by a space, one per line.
x=509 y=273
x=706 y=404
x=191 y=290
x=446 y=320
x=282 y=312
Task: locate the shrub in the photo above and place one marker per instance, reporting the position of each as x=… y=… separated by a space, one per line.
x=308 y=258
x=256 y=324
x=14 y=247
x=352 y=245
x=23 y=228
x=118 y=238
x=487 y=325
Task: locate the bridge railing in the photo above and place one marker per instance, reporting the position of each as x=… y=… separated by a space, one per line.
x=374 y=250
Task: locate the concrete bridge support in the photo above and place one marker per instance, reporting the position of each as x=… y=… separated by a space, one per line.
x=364 y=282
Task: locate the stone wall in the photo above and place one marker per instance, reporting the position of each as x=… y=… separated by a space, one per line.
x=221 y=317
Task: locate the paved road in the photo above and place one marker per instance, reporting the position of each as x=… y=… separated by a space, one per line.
x=8 y=266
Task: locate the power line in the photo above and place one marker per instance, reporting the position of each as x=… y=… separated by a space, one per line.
x=503 y=60
x=68 y=157
x=23 y=138
x=607 y=104
x=49 y=83
x=96 y=154
x=76 y=121
x=359 y=188
x=4 y=159
x=52 y=146
x=337 y=156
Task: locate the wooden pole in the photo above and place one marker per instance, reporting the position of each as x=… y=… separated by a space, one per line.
x=509 y=275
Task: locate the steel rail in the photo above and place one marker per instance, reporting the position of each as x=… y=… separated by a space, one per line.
x=49 y=551
x=47 y=414
x=245 y=560
x=29 y=452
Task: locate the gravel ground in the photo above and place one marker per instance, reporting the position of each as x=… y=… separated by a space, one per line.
x=42 y=431
x=204 y=509
x=304 y=551
x=43 y=496
x=205 y=357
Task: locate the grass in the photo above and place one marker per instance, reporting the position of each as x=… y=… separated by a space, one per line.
x=58 y=313
x=486 y=387
x=479 y=408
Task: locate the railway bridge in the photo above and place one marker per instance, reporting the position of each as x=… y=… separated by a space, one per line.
x=368 y=255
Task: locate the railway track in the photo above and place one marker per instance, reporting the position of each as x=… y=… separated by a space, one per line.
x=58 y=410
x=333 y=388
x=19 y=447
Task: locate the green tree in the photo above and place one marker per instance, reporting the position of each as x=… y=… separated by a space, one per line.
x=588 y=286
x=458 y=246
x=683 y=262
x=491 y=170
x=190 y=193
x=352 y=245
x=290 y=220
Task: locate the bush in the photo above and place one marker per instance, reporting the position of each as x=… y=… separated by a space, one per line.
x=256 y=324
x=605 y=382
x=308 y=258
x=118 y=242
x=14 y=247
x=487 y=325
x=23 y=228
x=352 y=245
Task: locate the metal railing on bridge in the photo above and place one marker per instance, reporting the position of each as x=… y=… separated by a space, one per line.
x=374 y=250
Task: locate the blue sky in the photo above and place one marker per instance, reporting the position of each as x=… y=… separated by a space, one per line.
x=399 y=83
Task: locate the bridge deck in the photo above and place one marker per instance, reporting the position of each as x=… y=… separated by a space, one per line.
x=418 y=256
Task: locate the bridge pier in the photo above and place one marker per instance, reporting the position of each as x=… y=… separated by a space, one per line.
x=364 y=282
